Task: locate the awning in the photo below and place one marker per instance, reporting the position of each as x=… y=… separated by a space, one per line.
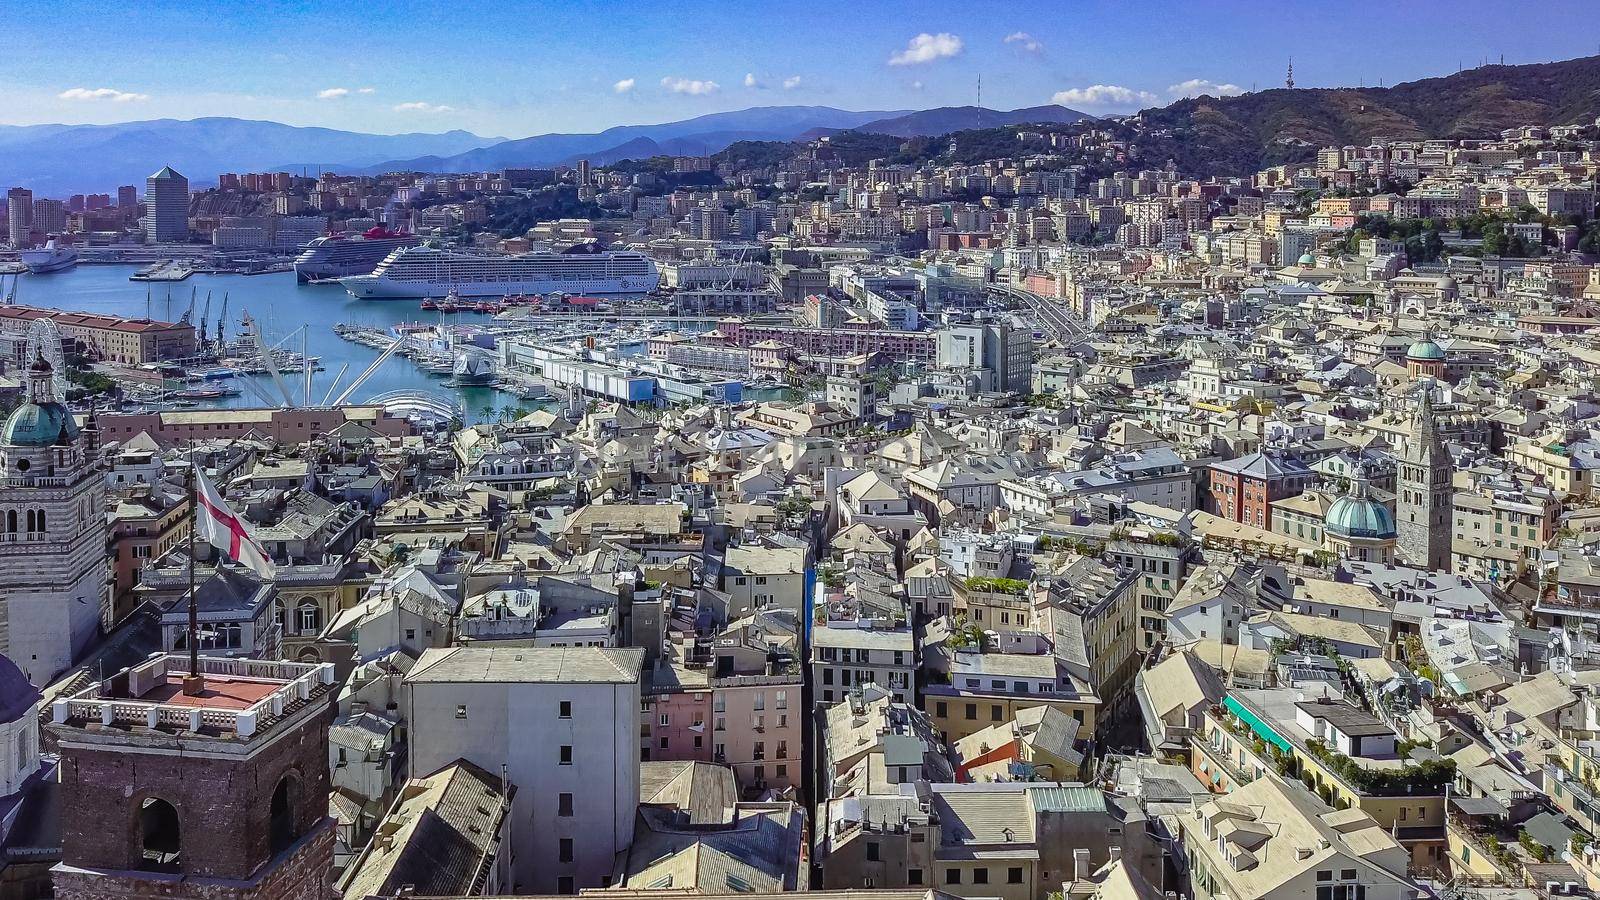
x=1262 y=729
x=1479 y=806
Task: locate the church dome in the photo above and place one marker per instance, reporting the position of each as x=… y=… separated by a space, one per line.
x=1307 y=260
x=38 y=425
x=41 y=421
x=1425 y=350
x=1357 y=515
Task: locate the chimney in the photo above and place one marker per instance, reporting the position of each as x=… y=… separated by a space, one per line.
x=1080 y=864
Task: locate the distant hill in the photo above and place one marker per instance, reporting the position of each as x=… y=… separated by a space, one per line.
x=946 y=119
x=58 y=160
x=1240 y=135
x=701 y=135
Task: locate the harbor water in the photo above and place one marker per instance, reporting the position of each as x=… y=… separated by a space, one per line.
x=280 y=307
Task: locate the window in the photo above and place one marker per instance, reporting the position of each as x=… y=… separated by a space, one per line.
x=563 y=804
x=872 y=852
x=566 y=754
x=913 y=876
x=663 y=743
x=972 y=711
x=564 y=885
x=566 y=710
x=461 y=711
x=1347 y=874
x=1325 y=875
x=566 y=850
x=980 y=875
x=996 y=714
x=159 y=836
x=940 y=710
x=952 y=876
x=1014 y=875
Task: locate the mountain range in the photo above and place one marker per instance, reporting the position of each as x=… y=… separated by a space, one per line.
x=1243 y=134
x=57 y=160
x=1205 y=135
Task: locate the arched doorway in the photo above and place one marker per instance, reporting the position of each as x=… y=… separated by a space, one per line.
x=160 y=838
x=281 y=828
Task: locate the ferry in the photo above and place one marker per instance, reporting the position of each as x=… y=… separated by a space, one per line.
x=50 y=258
x=337 y=255
x=429 y=272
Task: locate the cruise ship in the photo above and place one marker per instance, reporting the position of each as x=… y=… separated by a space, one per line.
x=338 y=255
x=50 y=258
x=432 y=272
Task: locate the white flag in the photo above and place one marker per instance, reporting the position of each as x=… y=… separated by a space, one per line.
x=218 y=525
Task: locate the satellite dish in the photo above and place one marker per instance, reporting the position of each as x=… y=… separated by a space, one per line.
x=44 y=339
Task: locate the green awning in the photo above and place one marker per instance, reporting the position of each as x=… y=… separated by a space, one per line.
x=1262 y=729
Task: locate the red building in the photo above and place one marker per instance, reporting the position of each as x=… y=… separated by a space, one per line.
x=1244 y=489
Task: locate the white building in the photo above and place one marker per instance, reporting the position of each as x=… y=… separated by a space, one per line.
x=564 y=724
x=54 y=573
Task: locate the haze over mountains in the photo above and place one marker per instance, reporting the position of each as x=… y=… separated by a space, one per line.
x=56 y=160
x=1206 y=135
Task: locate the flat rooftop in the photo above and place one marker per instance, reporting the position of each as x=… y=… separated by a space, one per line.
x=221 y=692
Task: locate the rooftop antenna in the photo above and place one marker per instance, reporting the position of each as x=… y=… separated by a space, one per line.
x=1288 y=80
x=978 y=113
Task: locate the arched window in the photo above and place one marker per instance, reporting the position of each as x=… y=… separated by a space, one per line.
x=41 y=521
x=159 y=836
x=11 y=521
x=32 y=522
x=281 y=829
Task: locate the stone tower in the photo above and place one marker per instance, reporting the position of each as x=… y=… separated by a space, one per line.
x=1423 y=503
x=220 y=794
x=54 y=574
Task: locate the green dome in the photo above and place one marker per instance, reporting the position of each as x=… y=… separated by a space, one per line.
x=1426 y=350
x=1307 y=260
x=1359 y=516
x=38 y=425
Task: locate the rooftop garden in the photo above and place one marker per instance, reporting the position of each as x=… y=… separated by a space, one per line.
x=1425 y=778
x=998 y=585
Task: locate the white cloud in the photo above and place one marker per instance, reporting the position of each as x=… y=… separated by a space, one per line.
x=1025 y=41
x=1195 y=87
x=623 y=86
x=690 y=86
x=333 y=93
x=792 y=82
x=111 y=94
x=751 y=81
x=916 y=85
x=366 y=90
x=1104 y=96
x=423 y=106
x=925 y=48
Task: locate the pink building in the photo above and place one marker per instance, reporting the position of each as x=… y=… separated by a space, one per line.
x=751 y=723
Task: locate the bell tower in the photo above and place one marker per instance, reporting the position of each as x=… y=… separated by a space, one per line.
x=54 y=575
x=1425 y=498
x=220 y=795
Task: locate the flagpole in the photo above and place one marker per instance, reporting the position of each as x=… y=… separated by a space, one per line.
x=195 y=683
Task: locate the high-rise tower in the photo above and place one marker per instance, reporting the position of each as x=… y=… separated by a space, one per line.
x=166 y=206
x=1424 y=500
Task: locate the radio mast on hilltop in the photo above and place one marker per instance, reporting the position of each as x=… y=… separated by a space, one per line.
x=1288 y=81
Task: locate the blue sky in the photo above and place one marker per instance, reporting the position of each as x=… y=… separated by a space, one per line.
x=517 y=69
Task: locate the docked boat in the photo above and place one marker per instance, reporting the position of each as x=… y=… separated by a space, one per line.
x=50 y=258
x=429 y=272
x=338 y=255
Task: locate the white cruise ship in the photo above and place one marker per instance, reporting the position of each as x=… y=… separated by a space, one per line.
x=338 y=255
x=50 y=258
x=431 y=272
